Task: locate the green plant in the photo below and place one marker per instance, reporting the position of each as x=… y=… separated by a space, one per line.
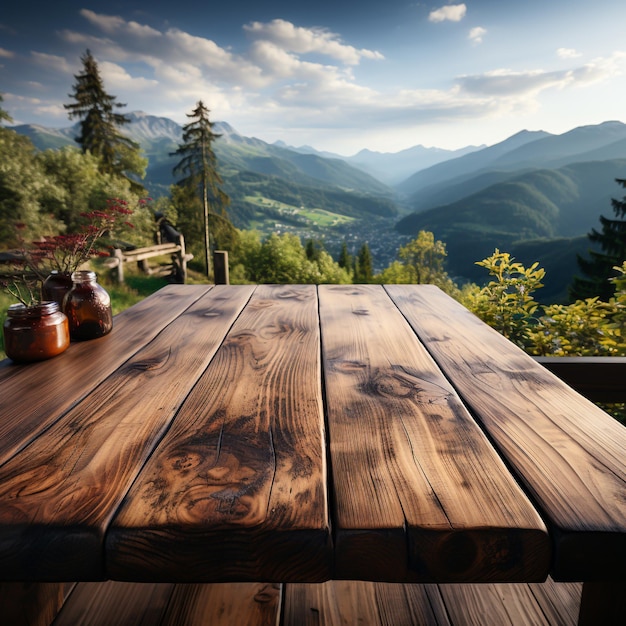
x=507 y=303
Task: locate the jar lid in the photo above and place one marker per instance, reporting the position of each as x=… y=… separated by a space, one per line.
x=35 y=310
x=83 y=276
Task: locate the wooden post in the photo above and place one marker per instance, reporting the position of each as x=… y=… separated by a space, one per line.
x=602 y=603
x=119 y=255
x=220 y=267
x=180 y=261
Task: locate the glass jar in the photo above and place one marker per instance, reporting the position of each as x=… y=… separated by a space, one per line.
x=88 y=307
x=56 y=286
x=35 y=333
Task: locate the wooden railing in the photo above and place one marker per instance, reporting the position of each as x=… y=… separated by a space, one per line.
x=169 y=243
x=601 y=379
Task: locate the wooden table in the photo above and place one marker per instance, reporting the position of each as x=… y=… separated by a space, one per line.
x=303 y=434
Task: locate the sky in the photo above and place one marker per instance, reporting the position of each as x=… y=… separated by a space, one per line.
x=338 y=75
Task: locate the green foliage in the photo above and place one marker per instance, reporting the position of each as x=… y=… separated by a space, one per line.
x=47 y=192
x=78 y=184
x=576 y=329
x=590 y=327
x=283 y=259
x=507 y=303
x=24 y=191
x=422 y=261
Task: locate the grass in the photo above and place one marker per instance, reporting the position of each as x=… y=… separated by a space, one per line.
x=317 y=217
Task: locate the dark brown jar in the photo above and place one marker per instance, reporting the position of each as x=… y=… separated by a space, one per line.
x=88 y=307
x=35 y=333
x=56 y=286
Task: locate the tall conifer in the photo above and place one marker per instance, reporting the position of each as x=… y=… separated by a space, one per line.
x=598 y=268
x=99 y=126
x=198 y=168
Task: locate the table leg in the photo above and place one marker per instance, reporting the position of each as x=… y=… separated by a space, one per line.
x=602 y=603
x=30 y=604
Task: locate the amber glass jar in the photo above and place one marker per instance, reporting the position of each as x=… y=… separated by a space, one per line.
x=35 y=333
x=56 y=286
x=88 y=307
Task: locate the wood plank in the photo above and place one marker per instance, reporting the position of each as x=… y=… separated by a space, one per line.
x=569 y=454
x=389 y=604
x=560 y=602
x=168 y=604
x=57 y=497
x=122 y=604
x=35 y=395
x=30 y=604
x=237 y=490
x=358 y=602
x=226 y=604
x=410 y=465
x=492 y=605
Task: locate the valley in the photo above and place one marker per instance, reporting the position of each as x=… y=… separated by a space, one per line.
x=535 y=195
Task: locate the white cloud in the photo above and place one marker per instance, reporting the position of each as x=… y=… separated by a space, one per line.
x=113 y=25
x=118 y=78
x=567 y=53
x=51 y=62
x=6 y=54
x=528 y=84
x=291 y=38
x=476 y=34
x=450 y=12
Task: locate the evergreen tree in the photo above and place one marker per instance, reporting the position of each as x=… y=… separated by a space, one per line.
x=598 y=269
x=99 y=126
x=198 y=168
x=314 y=249
x=345 y=258
x=363 y=270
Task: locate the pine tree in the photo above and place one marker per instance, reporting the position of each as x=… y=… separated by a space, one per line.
x=345 y=258
x=363 y=267
x=198 y=167
x=99 y=125
x=599 y=267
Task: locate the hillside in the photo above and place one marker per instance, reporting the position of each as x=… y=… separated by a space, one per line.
x=538 y=204
x=468 y=164
x=458 y=178
x=391 y=168
x=307 y=180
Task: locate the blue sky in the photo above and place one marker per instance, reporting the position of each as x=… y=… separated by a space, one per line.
x=338 y=75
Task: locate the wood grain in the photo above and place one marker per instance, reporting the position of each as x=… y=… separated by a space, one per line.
x=569 y=454
x=34 y=396
x=389 y=604
x=30 y=604
x=168 y=604
x=410 y=465
x=237 y=490
x=57 y=497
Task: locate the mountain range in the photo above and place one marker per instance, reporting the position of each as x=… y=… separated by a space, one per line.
x=533 y=193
